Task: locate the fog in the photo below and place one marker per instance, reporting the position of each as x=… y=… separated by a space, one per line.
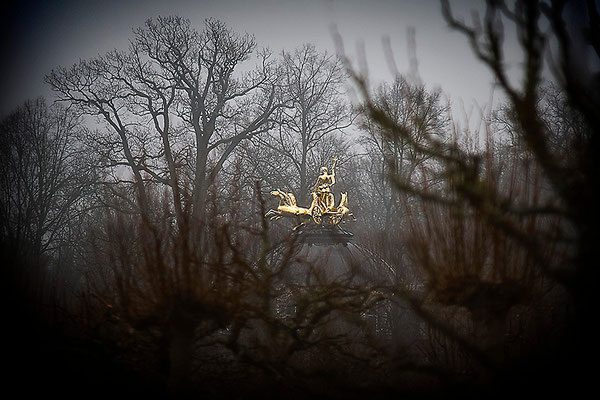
x=300 y=199
x=39 y=36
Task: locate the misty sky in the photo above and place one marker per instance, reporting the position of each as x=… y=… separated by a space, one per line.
x=39 y=36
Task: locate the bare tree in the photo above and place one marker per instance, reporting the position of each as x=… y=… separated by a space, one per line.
x=174 y=102
x=174 y=107
x=46 y=176
x=570 y=180
x=533 y=225
x=43 y=176
x=308 y=127
x=421 y=113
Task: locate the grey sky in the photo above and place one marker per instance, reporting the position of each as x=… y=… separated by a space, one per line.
x=39 y=36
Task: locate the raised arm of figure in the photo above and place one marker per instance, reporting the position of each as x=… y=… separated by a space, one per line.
x=335 y=160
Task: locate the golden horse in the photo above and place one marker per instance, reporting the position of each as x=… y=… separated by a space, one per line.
x=318 y=210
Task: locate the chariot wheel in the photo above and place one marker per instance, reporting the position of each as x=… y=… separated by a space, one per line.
x=317 y=214
x=336 y=219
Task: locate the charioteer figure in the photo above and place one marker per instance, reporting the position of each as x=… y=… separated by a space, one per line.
x=323 y=187
x=322 y=209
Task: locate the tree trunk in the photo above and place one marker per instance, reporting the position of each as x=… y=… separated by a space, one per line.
x=180 y=347
x=304 y=189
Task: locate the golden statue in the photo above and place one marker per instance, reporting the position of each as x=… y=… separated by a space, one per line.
x=323 y=203
x=323 y=187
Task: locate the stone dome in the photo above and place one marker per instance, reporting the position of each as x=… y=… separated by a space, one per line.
x=329 y=254
x=326 y=258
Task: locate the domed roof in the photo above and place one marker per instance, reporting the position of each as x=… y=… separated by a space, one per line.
x=327 y=254
x=323 y=271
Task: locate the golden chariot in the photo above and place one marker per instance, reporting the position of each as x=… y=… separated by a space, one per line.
x=322 y=209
